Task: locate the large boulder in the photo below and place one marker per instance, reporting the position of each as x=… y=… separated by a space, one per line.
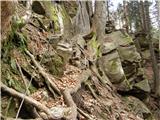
x=111 y=62
x=122 y=63
x=125 y=46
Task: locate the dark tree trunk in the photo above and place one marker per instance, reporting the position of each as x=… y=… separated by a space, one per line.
x=143 y=16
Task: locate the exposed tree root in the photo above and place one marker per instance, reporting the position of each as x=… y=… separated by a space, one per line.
x=70 y=103
x=71 y=111
x=49 y=80
x=23 y=77
x=84 y=114
x=91 y=89
x=27 y=99
x=8 y=118
x=94 y=69
x=68 y=91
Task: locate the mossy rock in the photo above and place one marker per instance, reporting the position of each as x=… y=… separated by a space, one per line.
x=55 y=65
x=138 y=107
x=52 y=13
x=94 y=48
x=121 y=38
x=9 y=106
x=107 y=47
x=129 y=54
x=125 y=46
x=112 y=67
x=143 y=85
x=12 y=78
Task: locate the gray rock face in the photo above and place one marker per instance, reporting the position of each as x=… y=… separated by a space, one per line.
x=111 y=63
x=64 y=49
x=117 y=51
x=138 y=107
x=143 y=85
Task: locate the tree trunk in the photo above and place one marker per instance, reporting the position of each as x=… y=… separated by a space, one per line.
x=99 y=19
x=108 y=11
x=82 y=21
x=158 y=19
x=90 y=11
x=7 y=10
x=142 y=16
x=68 y=25
x=151 y=47
x=125 y=5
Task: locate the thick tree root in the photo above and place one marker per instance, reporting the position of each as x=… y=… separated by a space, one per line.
x=27 y=99
x=50 y=114
x=49 y=80
x=72 y=108
x=91 y=89
x=69 y=91
x=23 y=77
x=102 y=80
x=84 y=114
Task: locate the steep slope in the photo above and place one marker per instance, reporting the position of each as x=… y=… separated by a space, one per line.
x=65 y=79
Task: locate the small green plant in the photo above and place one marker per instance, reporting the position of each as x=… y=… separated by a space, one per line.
x=95 y=45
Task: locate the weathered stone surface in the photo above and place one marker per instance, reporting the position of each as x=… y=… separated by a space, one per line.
x=143 y=85
x=112 y=67
x=125 y=46
x=108 y=47
x=120 y=38
x=129 y=54
x=80 y=41
x=64 y=49
x=138 y=107
x=119 y=50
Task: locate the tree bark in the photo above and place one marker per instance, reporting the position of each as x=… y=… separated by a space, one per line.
x=125 y=5
x=142 y=14
x=151 y=48
x=158 y=19
x=99 y=19
x=7 y=10
x=82 y=21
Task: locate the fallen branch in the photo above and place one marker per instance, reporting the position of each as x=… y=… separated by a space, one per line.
x=69 y=91
x=67 y=96
x=50 y=114
x=27 y=99
x=23 y=77
x=49 y=80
